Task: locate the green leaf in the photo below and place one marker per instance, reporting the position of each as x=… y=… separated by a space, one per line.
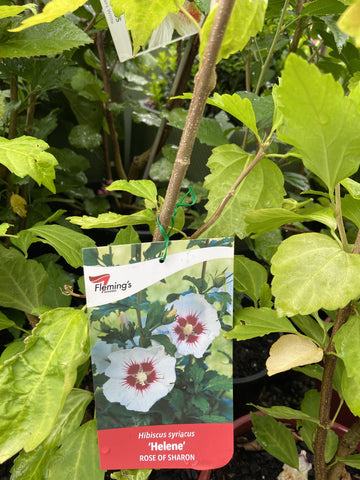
x=14 y=10
x=276 y=439
x=268 y=219
x=323 y=7
x=311 y=328
x=240 y=108
x=255 y=322
x=351 y=460
x=26 y=156
x=85 y=136
x=262 y=187
x=33 y=465
x=89 y=86
x=250 y=15
x=351 y=393
x=78 y=456
x=201 y=403
x=66 y=241
x=51 y=11
x=320 y=121
x=12 y=349
x=58 y=277
x=44 y=39
x=142 y=474
x=249 y=277
x=140 y=188
x=143 y=19
x=42 y=375
x=125 y=236
x=347 y=340
x=210 y=131
x=311 y=271
x=218 y=383
x=267 y=244
x=22 y=281
x=350 y=209
x=352 y=187
x=4 y=228
x=287 y=413
x=114 y=220
x=5 y=322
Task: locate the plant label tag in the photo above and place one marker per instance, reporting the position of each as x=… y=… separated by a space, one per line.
x=162 y=368
x=174 y=27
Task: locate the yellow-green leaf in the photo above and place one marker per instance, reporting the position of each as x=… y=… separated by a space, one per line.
x=52 y=10
x=78 y=456
x=13 y=10
x=240 y=108
x=247 y=19
x=26 y=156
x=22 y=281
x=349 y=22
x=140 y=188
x=320 y=121
x=291 y=351
x=34 y=384
x=114 y=220
x=311 y=271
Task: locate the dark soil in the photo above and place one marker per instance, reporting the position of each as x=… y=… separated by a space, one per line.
x=249 y=356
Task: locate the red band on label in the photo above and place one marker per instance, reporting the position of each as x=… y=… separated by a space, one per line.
x=198 y=446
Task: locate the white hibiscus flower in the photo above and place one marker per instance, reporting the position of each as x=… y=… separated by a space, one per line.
x=100 y=355
x=196 y=325
x=139 y=377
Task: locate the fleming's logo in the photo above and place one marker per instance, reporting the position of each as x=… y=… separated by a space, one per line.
x=102 y=284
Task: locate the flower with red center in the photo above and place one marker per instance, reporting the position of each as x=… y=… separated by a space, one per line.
x=139 y=377
x=196 y=325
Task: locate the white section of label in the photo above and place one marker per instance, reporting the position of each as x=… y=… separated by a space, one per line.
x=126 y=280
x=119 y=32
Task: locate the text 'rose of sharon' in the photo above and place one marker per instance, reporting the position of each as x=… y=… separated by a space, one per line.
x=196 y=325
x=139 y=377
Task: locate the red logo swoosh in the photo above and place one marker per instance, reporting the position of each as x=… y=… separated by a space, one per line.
x=104 y=278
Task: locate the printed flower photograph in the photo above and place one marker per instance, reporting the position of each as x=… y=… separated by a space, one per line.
x=160 y=356
x=139 y=377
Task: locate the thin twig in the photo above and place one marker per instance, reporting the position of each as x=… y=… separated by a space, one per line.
x=260 y=154
x=272 y=47
x=108 y=114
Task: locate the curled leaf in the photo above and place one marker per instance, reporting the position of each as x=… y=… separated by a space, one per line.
x=18 y=205
x=292 y=351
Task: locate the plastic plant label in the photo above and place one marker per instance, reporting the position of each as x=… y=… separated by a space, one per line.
x=175 y=26
x=162 y=368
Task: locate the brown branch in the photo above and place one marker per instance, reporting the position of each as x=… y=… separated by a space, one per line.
x=260 y=154
x=300 y=25
x=326 y=395
x=108 y=115
x=205 y=82
x=349 y=441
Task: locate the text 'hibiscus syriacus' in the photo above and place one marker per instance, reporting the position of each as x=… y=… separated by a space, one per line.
x=196 y=325
x=139 y=377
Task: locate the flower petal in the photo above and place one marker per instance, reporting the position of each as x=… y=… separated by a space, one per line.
x=196 y=325
x=139 y=377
